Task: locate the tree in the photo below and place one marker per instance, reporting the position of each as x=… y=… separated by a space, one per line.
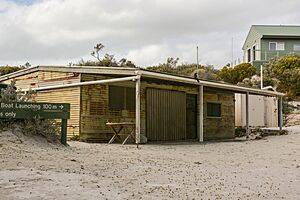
x=253 y=82
x=108 y=60
x=168 y=67
x=126 y=63
x=97 y=48
x=236 y=74
x=9 y=69
x=284 y=74
x=171 y=66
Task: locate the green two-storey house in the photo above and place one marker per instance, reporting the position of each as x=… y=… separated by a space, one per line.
x=267 y=41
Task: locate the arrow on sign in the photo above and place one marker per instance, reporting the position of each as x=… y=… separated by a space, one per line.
x=61 y=106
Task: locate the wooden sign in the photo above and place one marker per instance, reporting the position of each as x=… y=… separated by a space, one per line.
x=28 y=110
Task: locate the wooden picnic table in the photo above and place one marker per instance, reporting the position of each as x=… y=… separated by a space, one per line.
x=122 y=128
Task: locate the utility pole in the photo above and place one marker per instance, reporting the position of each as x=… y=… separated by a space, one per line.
x=197 y=59
x=232 y=52
x=261 y=77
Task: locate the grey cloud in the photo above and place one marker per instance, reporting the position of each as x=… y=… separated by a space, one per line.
x=144 y=31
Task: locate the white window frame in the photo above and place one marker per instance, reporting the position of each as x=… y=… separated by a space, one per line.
x=249 y=56
x=276 y=46
x=296 y=44
x=254 y=56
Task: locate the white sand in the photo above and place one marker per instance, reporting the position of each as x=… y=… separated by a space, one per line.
x=256 y=169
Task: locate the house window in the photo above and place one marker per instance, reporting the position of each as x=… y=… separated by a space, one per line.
x=254 y=53
x=213 y=109
x=249 y=55
x=121 y=98
x=297 y=47
x=276 y=46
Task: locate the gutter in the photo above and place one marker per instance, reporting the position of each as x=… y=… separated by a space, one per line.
x=235 y=88
x=113 y=80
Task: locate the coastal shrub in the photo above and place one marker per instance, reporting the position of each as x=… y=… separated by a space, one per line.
x=43 y=127
x=240 y=132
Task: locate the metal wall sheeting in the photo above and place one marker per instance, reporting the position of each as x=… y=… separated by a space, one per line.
x=166 y=115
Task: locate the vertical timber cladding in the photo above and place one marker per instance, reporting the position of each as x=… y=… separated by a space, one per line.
x=166 y=115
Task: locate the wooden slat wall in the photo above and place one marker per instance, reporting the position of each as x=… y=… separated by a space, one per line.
x=66 y=95
x=25 y=81
x=95 y=110
x=70 y=95
x=46 y=78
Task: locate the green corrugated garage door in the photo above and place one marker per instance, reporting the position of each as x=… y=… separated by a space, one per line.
x=166 y=115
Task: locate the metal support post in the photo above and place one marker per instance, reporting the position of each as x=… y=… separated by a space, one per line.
x=280 y=113
x=247 y=115
x=201 y=113
x=138 y=110
x=63 y=135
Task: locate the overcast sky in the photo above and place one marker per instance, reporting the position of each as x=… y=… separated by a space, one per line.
x=56 y=32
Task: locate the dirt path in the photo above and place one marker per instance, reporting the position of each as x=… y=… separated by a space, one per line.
x=258 y=169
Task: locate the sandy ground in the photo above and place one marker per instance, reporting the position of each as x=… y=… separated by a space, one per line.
x=257 y=169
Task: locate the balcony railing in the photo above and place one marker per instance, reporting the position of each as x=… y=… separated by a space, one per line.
x=267 y=55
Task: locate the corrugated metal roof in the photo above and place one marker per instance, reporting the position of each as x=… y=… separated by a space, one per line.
x=279 y=30
x=272 y=31
x=122 y=71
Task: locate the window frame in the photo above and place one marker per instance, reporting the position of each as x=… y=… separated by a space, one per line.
x=276 y=46
x=213 y=117
x=249 y=55
x=254 y=53
x=296 y=44
x=125 y=105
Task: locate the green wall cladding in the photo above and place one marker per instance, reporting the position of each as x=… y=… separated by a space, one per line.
x=266 y=54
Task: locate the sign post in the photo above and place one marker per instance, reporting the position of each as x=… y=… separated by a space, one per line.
x=28 y=110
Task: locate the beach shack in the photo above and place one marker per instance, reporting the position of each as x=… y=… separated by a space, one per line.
x=162 y=107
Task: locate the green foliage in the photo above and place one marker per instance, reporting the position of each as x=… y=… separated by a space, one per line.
x=11 y=94
x=236 y=74
x=171 y=67
x=8 y=69
x=240 y=132
x=253 y=82
x=44 y=127
x=284 y=74
x=108 y=60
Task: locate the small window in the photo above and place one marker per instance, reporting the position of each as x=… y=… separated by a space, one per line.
x=213 y=110
x=249 y=55
x=297 y=47
x=130 y=99
x=276 y=46
x=280 y=46
x=254 y=53
x=116 y=98
x=121 y=98
x=272 y=46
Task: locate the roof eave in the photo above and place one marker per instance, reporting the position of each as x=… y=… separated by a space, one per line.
x=281 y=37
x=233 y=88
x=144 y=73
x=75 y=69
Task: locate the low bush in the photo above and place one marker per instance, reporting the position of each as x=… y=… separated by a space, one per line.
x=43 y=127
x=240 y=132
